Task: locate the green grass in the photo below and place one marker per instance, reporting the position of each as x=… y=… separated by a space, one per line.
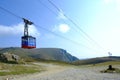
x=109 y=63
x=56 y=62
x=114 y=64
x=16 y=69
x=116 y=70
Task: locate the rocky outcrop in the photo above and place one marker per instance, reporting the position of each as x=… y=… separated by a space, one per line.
x=9 y=57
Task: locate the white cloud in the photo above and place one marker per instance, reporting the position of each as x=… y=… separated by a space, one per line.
x=33 y=31
x=64 y=28
x=11 y=30
x=17 y=29
x=108 y=1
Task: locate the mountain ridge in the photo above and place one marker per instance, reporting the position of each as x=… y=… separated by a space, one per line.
x=97 y=60
x=41 y=53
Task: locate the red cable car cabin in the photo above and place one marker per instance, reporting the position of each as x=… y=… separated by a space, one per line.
x=28 y=42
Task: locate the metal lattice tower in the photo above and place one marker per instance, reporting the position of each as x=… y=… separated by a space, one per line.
x=27 y=22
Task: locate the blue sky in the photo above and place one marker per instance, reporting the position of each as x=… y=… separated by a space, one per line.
x=98 y=18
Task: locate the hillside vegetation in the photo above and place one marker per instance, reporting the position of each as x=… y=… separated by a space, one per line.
x=41 y=54
x=97 y=60
x=16 y=69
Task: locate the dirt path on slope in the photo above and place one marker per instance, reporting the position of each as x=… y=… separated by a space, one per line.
x=59 y=72
x=50 y=69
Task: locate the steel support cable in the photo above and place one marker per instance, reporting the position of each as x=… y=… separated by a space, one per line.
x=84 y=32
x=59 y=10
x=10 y=12
x=54 y=14
x=47 y=7
x=45 y=29
x=52 y=11
x=65 y=38
x=54 y=5
x=57 y=14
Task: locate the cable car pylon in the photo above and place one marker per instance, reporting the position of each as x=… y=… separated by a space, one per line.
x=27 y=41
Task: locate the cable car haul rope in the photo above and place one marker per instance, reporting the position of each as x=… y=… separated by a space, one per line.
x=29 y=42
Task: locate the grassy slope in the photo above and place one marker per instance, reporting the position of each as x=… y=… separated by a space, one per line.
x=115 y=65
x=15 y=69
x=40 y=53
x=109 y=63
x=29 y=68
x=96 y=60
